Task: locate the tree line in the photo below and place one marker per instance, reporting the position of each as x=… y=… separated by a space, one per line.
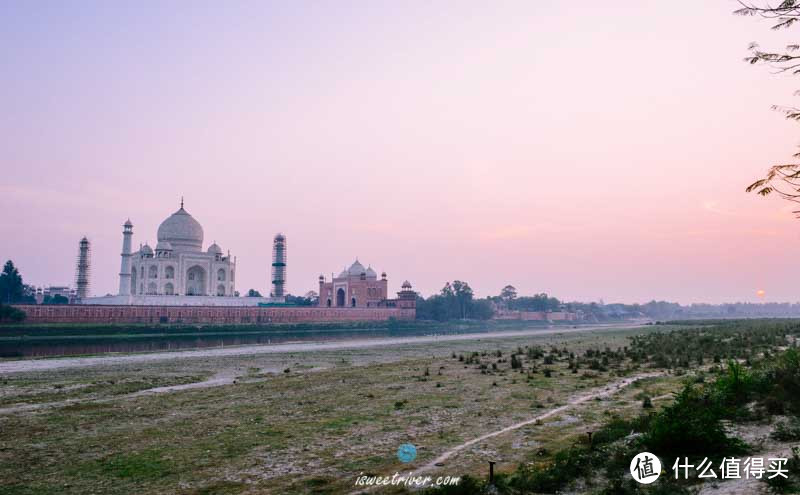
x=456 y=301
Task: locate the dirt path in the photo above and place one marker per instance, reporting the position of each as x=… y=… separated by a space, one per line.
x=25 y=365
x=224 y=378
x=605 y=391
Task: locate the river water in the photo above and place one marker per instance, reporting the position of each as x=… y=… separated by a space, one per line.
x=33 y=346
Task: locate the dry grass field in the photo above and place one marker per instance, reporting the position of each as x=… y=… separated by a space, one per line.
x=307 y=422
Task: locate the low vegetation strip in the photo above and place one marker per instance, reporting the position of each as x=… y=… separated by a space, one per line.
x=759 y=382
x=15 y=366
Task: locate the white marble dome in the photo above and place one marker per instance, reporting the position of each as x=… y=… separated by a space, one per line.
x=181 y=230
x=356 y=269
x=214 y=249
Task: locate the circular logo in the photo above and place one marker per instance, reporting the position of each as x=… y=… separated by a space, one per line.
x=645 y=468
x=407 y=452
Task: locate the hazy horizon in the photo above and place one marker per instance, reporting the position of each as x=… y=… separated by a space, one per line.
x=587 y=151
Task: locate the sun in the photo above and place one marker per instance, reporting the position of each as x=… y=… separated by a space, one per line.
x=761 y=293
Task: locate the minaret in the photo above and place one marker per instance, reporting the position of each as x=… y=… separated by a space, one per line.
x=125 y=267
x=278 y=265
x=82 y=269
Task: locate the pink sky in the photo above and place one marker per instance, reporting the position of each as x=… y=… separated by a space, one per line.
x=589 y=151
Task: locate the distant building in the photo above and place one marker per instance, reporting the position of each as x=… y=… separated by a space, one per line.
x=359 y=287
x=178 y=266
x=178 y=272
x=355 y=287
x=43 y=294
x=59 y=290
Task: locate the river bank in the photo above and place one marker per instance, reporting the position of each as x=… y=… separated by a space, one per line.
x=22 y=341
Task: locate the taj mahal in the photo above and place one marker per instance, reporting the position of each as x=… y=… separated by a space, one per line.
x=178 y=271
x=180 y=281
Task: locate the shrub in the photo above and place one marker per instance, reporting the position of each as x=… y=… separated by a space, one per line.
x=692 y=425
x=467 y=486
x=787 y=431
x=11 y=314
x=789 y=484
x=567 y=466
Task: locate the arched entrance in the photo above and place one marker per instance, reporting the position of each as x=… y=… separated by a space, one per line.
x=340 y=297
x=329 y=302
x=195 y=281
x=353 y=302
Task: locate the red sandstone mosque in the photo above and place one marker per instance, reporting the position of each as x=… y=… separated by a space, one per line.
x=356 y=287
x=359 y=287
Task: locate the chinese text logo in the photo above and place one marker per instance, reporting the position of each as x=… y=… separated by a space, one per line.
x=645 y=468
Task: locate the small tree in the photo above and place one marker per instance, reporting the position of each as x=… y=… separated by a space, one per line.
x=784 y=179
x=11 y=286
x=56 y=299
x=463 y=293
x=508 y=294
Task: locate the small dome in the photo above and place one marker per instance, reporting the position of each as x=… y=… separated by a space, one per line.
x=214 y=249
x=147 y=250
x=356 y=269
x=163 y=246
x=127 y=223
x=371 y=273
x=181 y=230
x=322 y=277
x=406 y=285
x=383 y=274
x=343 y=274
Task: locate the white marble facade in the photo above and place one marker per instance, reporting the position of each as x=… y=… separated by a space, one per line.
x=178 y=266
x=178 y=272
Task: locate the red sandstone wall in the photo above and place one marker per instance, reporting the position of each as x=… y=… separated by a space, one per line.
x=206 y=314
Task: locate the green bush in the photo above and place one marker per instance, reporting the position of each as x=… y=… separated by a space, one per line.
x=568 y=465
x=789 y=484
x=11 y=314
x=691 y=425
x=787 y=431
